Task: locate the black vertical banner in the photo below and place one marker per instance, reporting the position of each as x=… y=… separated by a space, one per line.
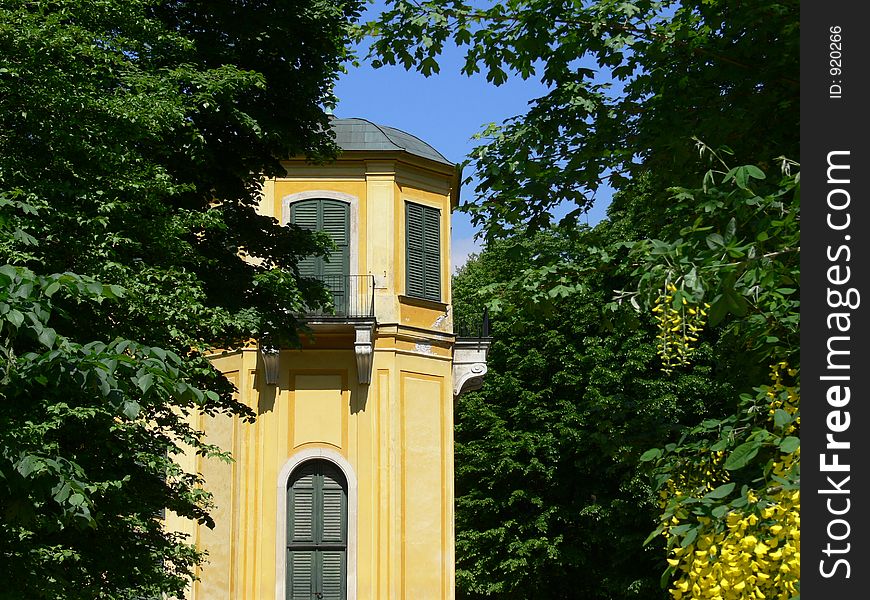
x=835 y=300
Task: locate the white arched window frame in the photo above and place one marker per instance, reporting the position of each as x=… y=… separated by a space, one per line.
x=290 y=199
x=290 y=466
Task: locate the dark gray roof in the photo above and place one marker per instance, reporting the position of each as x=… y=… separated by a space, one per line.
x=360 y=134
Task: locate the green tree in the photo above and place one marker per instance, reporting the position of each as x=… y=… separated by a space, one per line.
x=558 y=442
x=637 y=90
x=630 y=83
x=134 y=136
x=731 y=485
x=552 y=496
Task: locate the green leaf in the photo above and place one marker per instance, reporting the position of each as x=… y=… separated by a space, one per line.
x=744 y=173
x=9 y=272
x=659 y=247
x=742 y=454
x=15 y=318
x=658 y=531
x=145 y=382
x=61 y=492
x=735 y=303
x=789 y=444
x=731 y=229
x=721 y=491
x=720 y=445
x=715 y=241
x=131 y=409
x=754 y=172
x=690 y=537
x=47 y=337
x=693 y=282
x=781 y=418
x=650 y=455
x=718 y=310
x=28 y=465
x=666 y=577
x=51 y=288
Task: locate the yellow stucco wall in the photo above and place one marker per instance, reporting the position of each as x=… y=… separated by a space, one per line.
x=395 y=434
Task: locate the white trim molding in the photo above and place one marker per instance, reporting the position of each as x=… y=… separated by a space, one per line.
x=291 y=465
x=353 y=201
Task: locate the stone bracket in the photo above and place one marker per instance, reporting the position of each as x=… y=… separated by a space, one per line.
x=469 y=365
x=363 y=346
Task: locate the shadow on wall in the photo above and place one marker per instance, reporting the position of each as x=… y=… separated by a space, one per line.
x=268 y=394
x=359 y=399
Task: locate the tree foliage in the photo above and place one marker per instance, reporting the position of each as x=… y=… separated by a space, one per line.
x=629 y=84
x=551 y=492
x=133 y=140
x=730 y=486
x=638 y=93
x=727 y=464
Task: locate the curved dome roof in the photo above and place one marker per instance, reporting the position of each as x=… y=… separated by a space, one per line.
x=360 y=134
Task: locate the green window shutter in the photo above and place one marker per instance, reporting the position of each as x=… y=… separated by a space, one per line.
x=332 y=516
x=317 y=532
x=333 y=501
x=332 y=578
x=334 y=221
x=415 y=281
x=423 y=254
x=432 y=249
x=333 y=217
x=300 y=529
x=301 y=572
x=305 y=214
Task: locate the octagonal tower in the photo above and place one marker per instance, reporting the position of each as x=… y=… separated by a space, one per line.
x=343 y=488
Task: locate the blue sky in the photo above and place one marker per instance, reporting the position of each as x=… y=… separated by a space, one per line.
x=445 y=110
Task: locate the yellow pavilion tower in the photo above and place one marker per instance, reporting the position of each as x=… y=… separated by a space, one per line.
x=343 y=487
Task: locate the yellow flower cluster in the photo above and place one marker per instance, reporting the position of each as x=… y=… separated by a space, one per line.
x=756 y=557
x=784 y=396
x=755 y=553
x=678 y=328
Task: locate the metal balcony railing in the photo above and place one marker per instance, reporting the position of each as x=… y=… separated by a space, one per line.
x=472 y=328
x=353 y=297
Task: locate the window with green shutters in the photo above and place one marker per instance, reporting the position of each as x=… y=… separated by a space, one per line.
x=333 y=217
x=317 y=533
x=423 y=252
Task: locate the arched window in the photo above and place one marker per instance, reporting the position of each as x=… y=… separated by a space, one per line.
x=333 y=217
x=316 y=532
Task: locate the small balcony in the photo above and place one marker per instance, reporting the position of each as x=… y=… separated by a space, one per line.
x=353 y=302
x=469 y=353
x=353 y=299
